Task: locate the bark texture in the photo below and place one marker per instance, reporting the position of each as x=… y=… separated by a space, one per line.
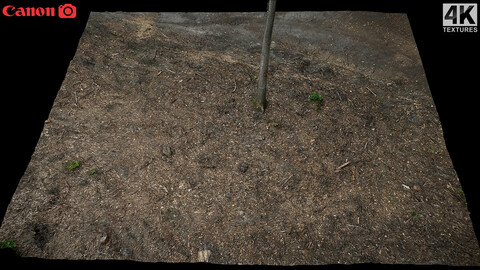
x=267 y=39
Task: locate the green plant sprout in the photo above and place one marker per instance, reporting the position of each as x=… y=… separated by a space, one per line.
x=9 y=244
x=314 y=96
x=71 y=166
x=272 y=123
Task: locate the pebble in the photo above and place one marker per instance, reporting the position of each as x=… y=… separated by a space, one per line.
x=243 y=167
x=167 y=151
x=260 y=138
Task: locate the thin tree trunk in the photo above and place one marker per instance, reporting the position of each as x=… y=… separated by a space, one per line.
x=267 y=39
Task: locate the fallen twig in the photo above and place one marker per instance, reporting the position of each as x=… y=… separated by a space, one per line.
x=339 y=97
x=371 y=91
x=76 y=99
x=163 y=34
x=170 y=71
x=286 y=180
x=342 y=166
x=201 y=77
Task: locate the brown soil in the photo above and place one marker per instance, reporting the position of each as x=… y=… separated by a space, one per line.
x=177 y=165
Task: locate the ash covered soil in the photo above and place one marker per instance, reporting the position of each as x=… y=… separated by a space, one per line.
x=175 y=164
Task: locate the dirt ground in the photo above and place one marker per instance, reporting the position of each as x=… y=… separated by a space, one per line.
x=154 y=150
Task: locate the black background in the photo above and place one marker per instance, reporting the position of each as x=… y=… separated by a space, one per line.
x=35 y=53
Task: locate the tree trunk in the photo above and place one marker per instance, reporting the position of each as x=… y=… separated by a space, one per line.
x=267 y=39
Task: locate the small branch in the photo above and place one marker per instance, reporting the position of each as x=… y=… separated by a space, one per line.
x=163 y=34
x=339 y=97
x=235 y=88
x=202 y=77
x=342 y=166
x=170 y=71
x=76 y=99
x=286 y=180
x=371 y=91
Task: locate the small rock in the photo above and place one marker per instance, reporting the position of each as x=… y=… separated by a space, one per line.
x=127 y=252
x=243 y=167
x=167 y=151
x=260 y=138
x=291 y=94
x=300 y=111
x=204 y=255
x=105 y=239
x=417 y=188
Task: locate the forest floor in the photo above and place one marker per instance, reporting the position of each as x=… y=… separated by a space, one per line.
x=154 y=150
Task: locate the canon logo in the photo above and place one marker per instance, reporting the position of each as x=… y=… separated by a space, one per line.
x=64 y=11
x=10 y=11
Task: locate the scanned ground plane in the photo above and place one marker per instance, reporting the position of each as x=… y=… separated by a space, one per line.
x=154 y=151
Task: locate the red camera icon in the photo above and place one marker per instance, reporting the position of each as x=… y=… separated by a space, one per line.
x=67 y=11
